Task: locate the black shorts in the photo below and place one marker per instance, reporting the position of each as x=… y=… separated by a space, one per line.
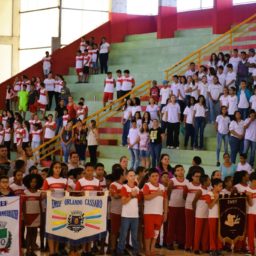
x=86 y=70
x=125 y=92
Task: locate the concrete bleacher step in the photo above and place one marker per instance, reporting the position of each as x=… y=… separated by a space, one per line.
x=139 y=37
x=193 y=32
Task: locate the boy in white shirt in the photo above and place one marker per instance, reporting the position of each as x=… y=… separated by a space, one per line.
x=47 y=64
x=79 y=66
x=130 y=214
x=109 y=87
x=234 y=60
x=86 y=65
x=155 y=210
x=243 y=165
x=50 y=88
x=232 y=103
x=221 y=75
x=133 y=144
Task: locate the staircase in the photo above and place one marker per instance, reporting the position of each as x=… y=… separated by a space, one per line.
x=147 y=57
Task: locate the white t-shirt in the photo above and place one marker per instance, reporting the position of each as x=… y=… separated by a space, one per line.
x=251 y=60
x=49 y=133
x=200 y=110
x=127 y=83
x=127 y=113
x=252 y=209
x=49 y=84
x=165 y=94
x=214 y=211
x=246 y=167
x=250 y=132
x=237 y=127
x=131 y=209
x=215 y=91
x=202 y=209
x=189 y=73
x=79 y=61
x=203 y=88
x=230 y=76
x=182 y=94
x=224 y=100
x=47 y=62
x=189 y=112
x=232 y=104
x=135 y=109
x=194 y=93
x=153 y=110
x=253 y=102
x=222 y=78
x=109 y=85
x=133 y=136
x=175 y=88
x=223 y=124
x=243 y=102
x=192 y=190
x=104 y=47
x=234 y=61
x=173 y=111
x=176 y=197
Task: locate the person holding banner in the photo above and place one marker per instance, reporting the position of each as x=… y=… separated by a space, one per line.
x=212 y=200
x=55 y=183
x=4 y=186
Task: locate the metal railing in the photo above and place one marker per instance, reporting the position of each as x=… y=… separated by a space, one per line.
x=198 y=56
x=52 y=146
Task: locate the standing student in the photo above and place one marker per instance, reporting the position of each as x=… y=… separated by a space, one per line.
x=104 y=52
x=236 y=138
x=224 y=97
x=93 y=141
x=173 y=123
x=165 y=92
x=32 y=209
x=244 y=95
x=86 y=66
x=192 y=187
x=126 y=120
x=57 y=185
x=130 y=214
x=155 y=210
x=251 y=212
x=133 y=144
x=43 y=99
x=156 y=136
x=250 y=136
x=50 y=88
x=200 y=121
x=23 y=100
x=47 y=64
x=201 y=237
x=8 y=132
x=189 y=123
x=119 y=81
x=176 y=216
x=230 y=77
x=232 y=103
x=212 y=199
x=214 y=92
x=67 y=134
x=128 y=83
x=242 y=69
x=79 y=66
x=154 y=92
x=153 y=109
x=36 y=139
x=253 y=100
x=243 y=165
x=222 y=128
x=88 y=183
x=109 y=87
x=116 y=203
x=144 y=145
x=59 y=81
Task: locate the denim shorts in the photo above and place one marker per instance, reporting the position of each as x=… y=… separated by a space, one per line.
x=144 y=153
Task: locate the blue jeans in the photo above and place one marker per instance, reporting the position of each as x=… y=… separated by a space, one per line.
x=126 y=128
x=135 y=160
x=248 y=144
x=244 y=112
x=221 y=137
x=236 y=146
x=66 y=150
x=126 y=225
x=59 y=123
x=155 y=151
x=214 y=110
x=199 y=130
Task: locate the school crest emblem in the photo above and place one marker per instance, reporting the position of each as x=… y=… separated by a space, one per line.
x=5 y=238
x=76 y=221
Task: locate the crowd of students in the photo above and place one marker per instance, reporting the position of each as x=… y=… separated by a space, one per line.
x=156 y=207
x=223 y=93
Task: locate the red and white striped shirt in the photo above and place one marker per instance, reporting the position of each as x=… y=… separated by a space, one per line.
x=87 y=60
x=7 y=134
x=127 y=83
x=79 y=61
x=177 y=194
x=88 y=185
x=36 y=135
x=51 y=183
x=109 y=85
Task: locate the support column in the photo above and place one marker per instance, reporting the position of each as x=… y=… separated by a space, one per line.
x=222 y=17
x=118 y=20
x=167 y=18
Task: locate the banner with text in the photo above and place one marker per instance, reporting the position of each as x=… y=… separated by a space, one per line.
x=10 y=226
x=232 y=217
x=77 y=219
